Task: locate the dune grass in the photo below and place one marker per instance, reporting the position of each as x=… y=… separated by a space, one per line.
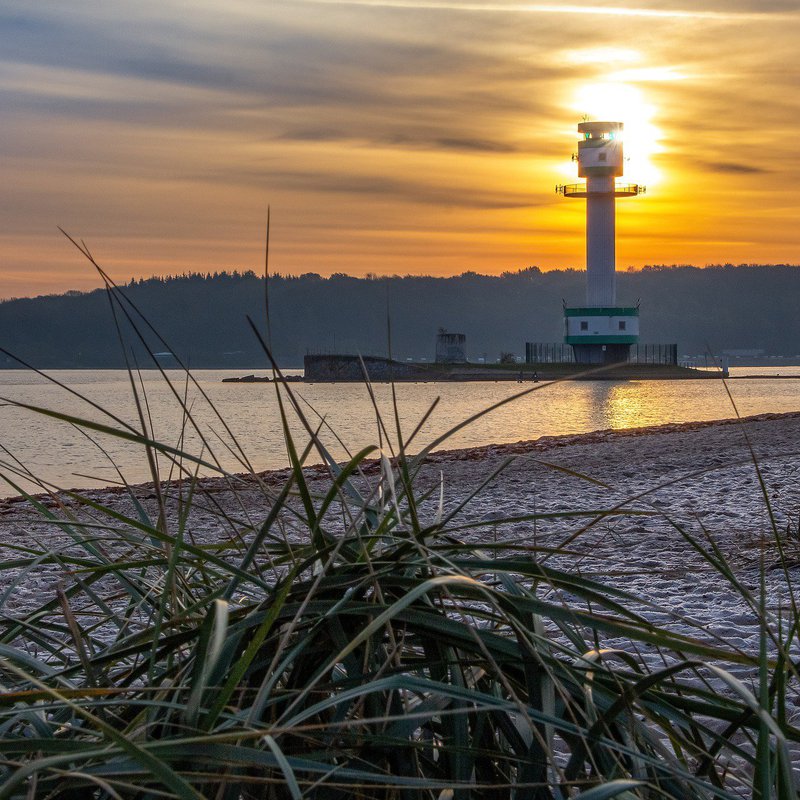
x=356 y=641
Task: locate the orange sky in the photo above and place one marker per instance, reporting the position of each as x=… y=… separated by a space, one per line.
x=390 y=137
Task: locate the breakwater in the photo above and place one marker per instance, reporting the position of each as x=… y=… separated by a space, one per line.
x=342 y=368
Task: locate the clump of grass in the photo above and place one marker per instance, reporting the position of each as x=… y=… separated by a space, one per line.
x=355 y=641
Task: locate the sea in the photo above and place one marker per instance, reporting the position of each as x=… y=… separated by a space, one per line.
x=67 y=439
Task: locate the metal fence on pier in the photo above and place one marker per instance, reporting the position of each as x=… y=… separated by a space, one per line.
x=548 y=353
x=653 y=354
x=559 y=353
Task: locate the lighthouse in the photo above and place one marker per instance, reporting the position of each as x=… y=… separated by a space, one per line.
x=601 y=332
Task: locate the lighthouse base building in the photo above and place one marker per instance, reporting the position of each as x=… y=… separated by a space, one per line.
x=600 y=335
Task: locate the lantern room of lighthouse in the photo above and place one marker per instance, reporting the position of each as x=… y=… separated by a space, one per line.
x=600 y=332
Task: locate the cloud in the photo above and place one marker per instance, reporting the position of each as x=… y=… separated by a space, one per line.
x=379 y=187
x=143 y=118
x=732 y=168
x=420 y=141
x=463 y=145
x=745 y=9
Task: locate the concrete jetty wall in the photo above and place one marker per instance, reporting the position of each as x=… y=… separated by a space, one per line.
x=347 y=368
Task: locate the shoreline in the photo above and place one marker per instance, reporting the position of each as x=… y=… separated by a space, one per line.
x=369 y=466
x=544 y=443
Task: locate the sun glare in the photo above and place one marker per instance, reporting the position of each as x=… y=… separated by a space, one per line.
x=617 y=101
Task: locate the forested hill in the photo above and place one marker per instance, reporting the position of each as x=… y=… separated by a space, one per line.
x=202 y=318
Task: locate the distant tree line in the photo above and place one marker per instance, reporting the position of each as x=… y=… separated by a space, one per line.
x=203 y=317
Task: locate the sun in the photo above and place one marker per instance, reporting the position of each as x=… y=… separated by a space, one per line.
x=617 y=101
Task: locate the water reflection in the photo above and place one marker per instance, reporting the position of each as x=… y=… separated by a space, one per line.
x=597 y=405
x=59 y=453
x=622 y=404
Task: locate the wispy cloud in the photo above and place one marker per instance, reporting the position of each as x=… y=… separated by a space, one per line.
x=732 y=168
x=771 y=10
x=450 y=122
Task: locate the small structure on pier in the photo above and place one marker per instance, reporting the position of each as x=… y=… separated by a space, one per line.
x=451 y=348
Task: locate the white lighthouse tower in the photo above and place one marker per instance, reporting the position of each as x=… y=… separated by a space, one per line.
x=600 y=332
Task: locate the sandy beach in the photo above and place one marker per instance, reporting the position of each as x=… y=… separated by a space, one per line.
x=695 y=480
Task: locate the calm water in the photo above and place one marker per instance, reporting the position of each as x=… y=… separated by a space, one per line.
x=62 y=453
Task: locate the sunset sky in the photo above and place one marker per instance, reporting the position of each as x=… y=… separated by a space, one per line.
x=388 y=137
